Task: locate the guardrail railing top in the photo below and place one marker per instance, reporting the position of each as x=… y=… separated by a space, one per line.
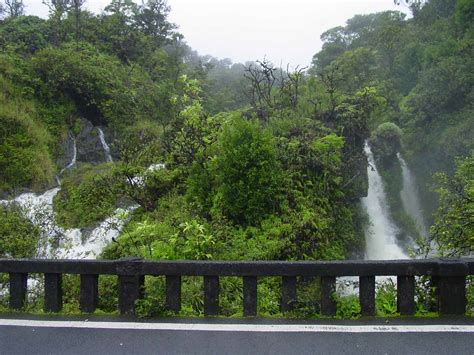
x=448 y=277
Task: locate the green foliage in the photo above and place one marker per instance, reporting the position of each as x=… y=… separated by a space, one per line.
x=143 y=186
x=85 y=198
x=96 y=82
x=18 y=236
x=193 y=240
x=421 y=69
x=277 y=179
x=470 y=296
x=265 y=241
x=386 y=141
x=386 y=298
x=425 y=295
x=246 y=171
x=108 y=294
x=151 y=305
x=226 y=87
x=194 y=132
x=148 y=233
x=348 y=307
x=71 y=286
x=465 y=13
x=268 y=303
x=24 y=155
x=141 y=143
x=25 y=34
x=453 y=231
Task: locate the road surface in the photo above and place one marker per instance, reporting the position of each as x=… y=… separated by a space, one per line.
x=81 y=336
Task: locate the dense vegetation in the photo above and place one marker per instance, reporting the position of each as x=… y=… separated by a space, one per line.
x=236 y=161
x=422 y=69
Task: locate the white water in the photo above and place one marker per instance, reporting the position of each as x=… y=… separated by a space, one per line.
x=74 y=155
x=140 y=180
x=108 y=157
x=380 y=236
x=410 y=198
x=57 y=242
x=73 y=160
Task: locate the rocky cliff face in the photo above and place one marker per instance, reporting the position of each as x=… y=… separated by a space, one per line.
x=68 y=149
x=87 y=146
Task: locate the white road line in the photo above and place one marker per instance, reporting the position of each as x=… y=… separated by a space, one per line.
x=265 y=328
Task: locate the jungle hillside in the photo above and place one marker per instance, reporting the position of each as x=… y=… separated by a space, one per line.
x=115 y=118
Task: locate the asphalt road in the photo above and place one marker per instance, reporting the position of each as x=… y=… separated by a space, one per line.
x=214 y=337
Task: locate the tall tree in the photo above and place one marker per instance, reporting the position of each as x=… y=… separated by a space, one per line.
x=57 y=8
x=152 y=20
x=57 y=11
x=453 y=231
x=75 y=9
x=120 y=34
x=14 y=8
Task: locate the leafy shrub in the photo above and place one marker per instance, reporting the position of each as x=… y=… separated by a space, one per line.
x=153 y=302
x=24 y=157
x=470 y=295
x=247 y=173
x=386 y=298
x=108 y=294
x=85 y=198
x=348 y=307
x=18 y=236
x=94 y=81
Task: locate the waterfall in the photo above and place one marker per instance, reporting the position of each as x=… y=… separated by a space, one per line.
x=380 y=236
x=68 y=243
x=73 y=161
x=74 y=156
x=410 y=198
x=57 y=242
x=108 y=157
x=38 y=209
x=75 y=247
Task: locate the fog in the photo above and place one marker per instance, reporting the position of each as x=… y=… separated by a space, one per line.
x=282 y=30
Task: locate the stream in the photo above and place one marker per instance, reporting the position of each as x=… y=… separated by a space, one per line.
x=60 y=243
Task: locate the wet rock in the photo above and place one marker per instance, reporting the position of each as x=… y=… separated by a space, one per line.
x=111 y=139
x=89 y=147
x=67 y=147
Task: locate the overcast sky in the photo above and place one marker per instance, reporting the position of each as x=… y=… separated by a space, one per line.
x=285 y=31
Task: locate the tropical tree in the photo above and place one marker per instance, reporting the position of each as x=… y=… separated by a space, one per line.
x=453 y=230
x=14 y=8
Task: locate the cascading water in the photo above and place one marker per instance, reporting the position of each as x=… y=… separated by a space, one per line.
x=74 y=155
x=380 y=236
x=73 y=160
x=57 y=242
x=108 y=156
x=410 y=200
x=140 y=180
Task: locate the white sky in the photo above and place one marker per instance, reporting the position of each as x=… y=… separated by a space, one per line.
x=285 y=31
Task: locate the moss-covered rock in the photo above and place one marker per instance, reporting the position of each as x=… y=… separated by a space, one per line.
x=386 y=142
